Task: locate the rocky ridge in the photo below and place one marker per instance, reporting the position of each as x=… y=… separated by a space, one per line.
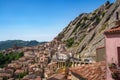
x=82 y=36
x=85 y=33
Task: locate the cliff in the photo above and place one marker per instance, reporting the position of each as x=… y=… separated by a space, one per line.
x=85 y=33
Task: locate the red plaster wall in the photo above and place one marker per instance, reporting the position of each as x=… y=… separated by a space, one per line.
x=112 y=41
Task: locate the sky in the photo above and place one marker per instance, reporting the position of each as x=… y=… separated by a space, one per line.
x=40 y=20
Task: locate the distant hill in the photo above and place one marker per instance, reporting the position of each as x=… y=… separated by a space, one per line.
x=10 y=43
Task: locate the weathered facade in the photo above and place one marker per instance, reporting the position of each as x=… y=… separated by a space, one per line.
x=112 y=43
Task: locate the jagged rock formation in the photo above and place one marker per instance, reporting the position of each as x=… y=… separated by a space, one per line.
x=82 y=36
x=85 y=33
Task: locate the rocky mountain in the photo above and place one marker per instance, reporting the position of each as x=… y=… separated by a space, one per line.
x=85 y=33
x=10 y=43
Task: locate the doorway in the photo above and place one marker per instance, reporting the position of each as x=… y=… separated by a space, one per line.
x=118 y=50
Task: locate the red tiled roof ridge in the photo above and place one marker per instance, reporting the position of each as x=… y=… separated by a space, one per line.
x=94 y=71
x=100 y=47
x=113 y=30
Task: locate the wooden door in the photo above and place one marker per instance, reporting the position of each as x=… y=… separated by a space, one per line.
x=118 y=55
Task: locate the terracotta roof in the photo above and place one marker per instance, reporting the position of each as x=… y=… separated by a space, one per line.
x=5 y=75
x=113 y=30
x=19 y=71
x=49 y=73
x=52 y=63
x=96 y=71
x=57 y=77
x=38 y=78
x=100 y=47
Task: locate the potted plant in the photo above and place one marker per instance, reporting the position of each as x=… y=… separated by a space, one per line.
x=113 y=67
x=115 y=72
x=114 y=76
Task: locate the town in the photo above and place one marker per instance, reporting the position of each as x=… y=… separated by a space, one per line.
x=56 y=60
x=53 y=61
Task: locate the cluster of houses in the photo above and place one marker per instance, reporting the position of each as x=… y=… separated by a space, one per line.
x=37 y=62
x=24 y=66
x=53 y=61
x=41 y=62
x=106 y=66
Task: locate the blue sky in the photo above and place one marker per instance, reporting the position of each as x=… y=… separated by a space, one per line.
x=40 y=20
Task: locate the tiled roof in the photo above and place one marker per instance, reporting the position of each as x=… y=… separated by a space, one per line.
x=113 y=30
x=19 y=71
x=38 y=78
x=100 y=47
x=96 y=71
x=5 y=75
x=57 y=77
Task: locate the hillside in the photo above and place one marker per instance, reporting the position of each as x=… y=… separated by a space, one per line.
x=85 y=33
x=10 y=43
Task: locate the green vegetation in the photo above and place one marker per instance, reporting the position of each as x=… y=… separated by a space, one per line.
x=10 y=43
x=83 y=25
x=94 y=13
x=21 y=75
x=103 y=14
x=77 y=25
x=69 y=64
x=81 y=39
x=5 y=59
x=86 y=25
x=60 y=36
x=98 y=19
x=85 y=18
x=103 y=27
x=70 y=42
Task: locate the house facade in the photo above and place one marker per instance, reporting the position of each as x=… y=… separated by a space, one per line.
x=112 y=45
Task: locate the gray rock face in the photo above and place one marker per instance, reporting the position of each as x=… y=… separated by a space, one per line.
x=87 y=29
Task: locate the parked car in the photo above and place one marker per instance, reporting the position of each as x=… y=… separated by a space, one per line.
x=88 y=60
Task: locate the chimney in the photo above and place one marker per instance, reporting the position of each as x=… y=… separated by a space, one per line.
x=117 y=15
x=117 y=21
x=118 y=1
